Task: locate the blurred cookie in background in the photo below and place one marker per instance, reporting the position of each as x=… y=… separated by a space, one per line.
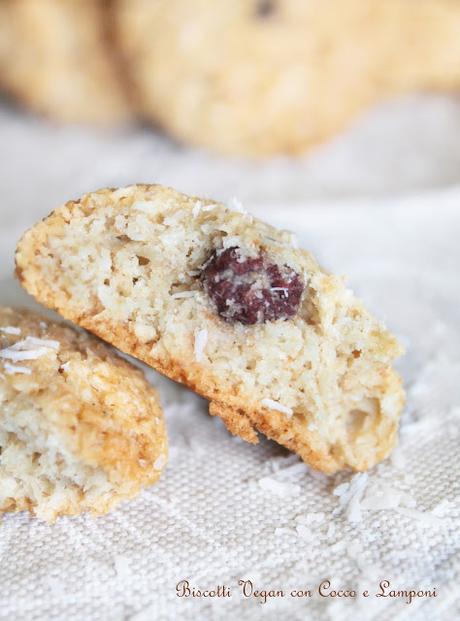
x=263 y=77
x=57 y=59
x=247 y=77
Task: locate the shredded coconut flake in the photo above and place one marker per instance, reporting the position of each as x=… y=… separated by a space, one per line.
x=29 y=348
x=159 y=462
x=383 y=496
x=183 y=294
x=145 y=206
x=201 y=338
x=11 y=330
x=199 y=207
x=31 y=340
x=274 y=405
x=17 y=356
x=356 y=496
x=11 y=369
x=423 y=516
x=196 y=208
x=350 y=495
x=278 y=488
x=236 y=205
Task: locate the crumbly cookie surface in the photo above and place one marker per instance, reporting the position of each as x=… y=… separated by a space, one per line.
x=268 y=76
x=56 y=57
x=129 y=265
x=80 y=428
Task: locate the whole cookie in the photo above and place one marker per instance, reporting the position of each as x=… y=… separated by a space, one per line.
x=263 y=77
x=56 y=58
x=229 y=306
x=80 y=428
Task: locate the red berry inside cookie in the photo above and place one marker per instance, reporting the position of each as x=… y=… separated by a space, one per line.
x=251 y=289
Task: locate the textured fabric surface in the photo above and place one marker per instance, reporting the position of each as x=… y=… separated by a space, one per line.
x=224 y=510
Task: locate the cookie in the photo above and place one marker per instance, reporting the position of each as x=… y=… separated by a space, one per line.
x=229 y=306
x=80 y=428
x=56 y=58
x=262 y=77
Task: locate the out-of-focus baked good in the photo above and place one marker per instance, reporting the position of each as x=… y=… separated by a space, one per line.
x=251 y=77
x=56 y=57
x=262 y=77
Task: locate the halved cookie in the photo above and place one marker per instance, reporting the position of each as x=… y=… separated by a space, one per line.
x=229 y=306
x=80 y=428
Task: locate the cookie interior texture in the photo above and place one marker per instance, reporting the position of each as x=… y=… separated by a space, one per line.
x=56 y=56
x=261 y=77
x=127 y=263
x=80 y=428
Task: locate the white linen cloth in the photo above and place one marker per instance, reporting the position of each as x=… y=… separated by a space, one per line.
x=225 y=510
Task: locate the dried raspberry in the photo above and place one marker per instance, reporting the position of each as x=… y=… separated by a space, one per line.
x=251 y=289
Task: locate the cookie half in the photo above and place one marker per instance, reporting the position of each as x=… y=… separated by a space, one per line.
x=229 y=306
x=80 y=428
x=56 y=57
